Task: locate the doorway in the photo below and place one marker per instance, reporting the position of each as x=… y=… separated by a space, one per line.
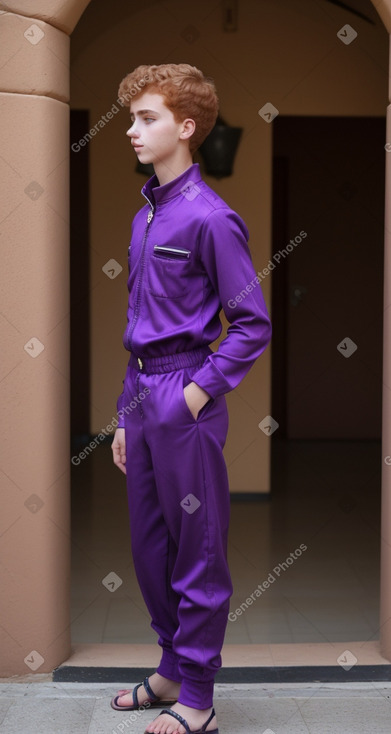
x=327 y=289
x=325 y=494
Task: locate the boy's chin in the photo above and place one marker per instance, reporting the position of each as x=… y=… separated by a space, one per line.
x=145 y=158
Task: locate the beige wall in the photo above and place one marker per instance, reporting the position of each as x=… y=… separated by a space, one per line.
x=286 y=53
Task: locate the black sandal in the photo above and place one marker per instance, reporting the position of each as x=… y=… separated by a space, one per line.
x=153 y=700
x=186 y=725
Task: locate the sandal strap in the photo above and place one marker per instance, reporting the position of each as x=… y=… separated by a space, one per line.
x=152 y=696
x=178 y=717
x=134 y=694
x=184 y=722
x=210 y=719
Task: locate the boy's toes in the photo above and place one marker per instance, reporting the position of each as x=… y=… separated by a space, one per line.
x=161 y=725
x=169 y=729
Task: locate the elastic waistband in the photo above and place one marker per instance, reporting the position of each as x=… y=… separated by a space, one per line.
x=169 y=362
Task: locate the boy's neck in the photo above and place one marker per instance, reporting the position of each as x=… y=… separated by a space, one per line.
x=168 y=171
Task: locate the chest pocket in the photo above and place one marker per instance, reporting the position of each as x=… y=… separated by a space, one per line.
x=168 y=271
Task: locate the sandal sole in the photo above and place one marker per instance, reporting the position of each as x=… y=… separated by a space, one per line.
x=146 y=705
x=199 y=731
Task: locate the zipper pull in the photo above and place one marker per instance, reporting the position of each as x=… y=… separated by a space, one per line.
x=150 y=215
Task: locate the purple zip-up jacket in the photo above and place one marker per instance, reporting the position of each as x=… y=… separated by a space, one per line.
x=188 y=258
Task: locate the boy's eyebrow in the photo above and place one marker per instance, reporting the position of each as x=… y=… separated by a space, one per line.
x=142 y=112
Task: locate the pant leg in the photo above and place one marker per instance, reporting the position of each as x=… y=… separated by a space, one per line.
x=152 y=546
x=192 y=490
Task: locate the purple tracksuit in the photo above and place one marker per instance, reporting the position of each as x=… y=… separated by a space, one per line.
x=188 y=258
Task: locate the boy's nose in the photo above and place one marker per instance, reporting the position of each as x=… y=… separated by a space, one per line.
x=132 y=132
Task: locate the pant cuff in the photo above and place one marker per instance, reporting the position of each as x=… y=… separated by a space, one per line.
x=168 y=666
x=197 y=694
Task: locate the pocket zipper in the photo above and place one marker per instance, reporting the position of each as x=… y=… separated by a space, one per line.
x=175 y=251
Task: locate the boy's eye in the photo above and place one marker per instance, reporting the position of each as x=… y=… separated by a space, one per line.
x=146 y=119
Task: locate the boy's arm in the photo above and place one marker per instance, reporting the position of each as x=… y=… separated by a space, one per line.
x=227 y=260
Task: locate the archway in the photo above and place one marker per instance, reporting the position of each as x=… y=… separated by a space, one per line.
x=35 y=392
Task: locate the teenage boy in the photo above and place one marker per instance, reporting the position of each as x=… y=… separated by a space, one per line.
x=188 y=258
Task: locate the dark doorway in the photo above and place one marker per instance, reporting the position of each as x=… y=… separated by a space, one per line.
x=327 y=290
x=79 y=275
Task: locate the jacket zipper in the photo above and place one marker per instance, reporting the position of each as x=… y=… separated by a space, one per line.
x=140 y=277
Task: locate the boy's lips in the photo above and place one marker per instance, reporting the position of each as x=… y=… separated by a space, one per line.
x=136 y=147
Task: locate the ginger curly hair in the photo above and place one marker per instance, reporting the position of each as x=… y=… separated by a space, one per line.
x=185 y=90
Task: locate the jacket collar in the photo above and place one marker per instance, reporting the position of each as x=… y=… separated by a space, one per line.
x=158 y=194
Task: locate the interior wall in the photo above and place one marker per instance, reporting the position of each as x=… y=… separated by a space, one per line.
x=288 y=55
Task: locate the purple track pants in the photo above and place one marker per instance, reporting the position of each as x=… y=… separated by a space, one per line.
x=179 y=515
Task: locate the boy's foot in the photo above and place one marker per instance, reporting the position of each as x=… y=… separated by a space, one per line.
x=165 y=689
x=195 y=718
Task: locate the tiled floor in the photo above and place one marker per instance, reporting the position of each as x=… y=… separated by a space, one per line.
x=325 y=497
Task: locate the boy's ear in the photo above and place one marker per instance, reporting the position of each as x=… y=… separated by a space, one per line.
x=188 y=127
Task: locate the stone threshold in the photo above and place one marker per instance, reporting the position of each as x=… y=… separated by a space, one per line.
x=277 y=663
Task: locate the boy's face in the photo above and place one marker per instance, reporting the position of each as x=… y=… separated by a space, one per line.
x=154 y=133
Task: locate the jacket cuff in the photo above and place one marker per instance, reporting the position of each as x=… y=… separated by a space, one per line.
x=120 y=412
x=211 y=379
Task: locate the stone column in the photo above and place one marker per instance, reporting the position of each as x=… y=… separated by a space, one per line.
x=34 y=322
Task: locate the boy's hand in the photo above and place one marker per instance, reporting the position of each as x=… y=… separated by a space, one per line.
x=118 y=448
x=195 y=398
